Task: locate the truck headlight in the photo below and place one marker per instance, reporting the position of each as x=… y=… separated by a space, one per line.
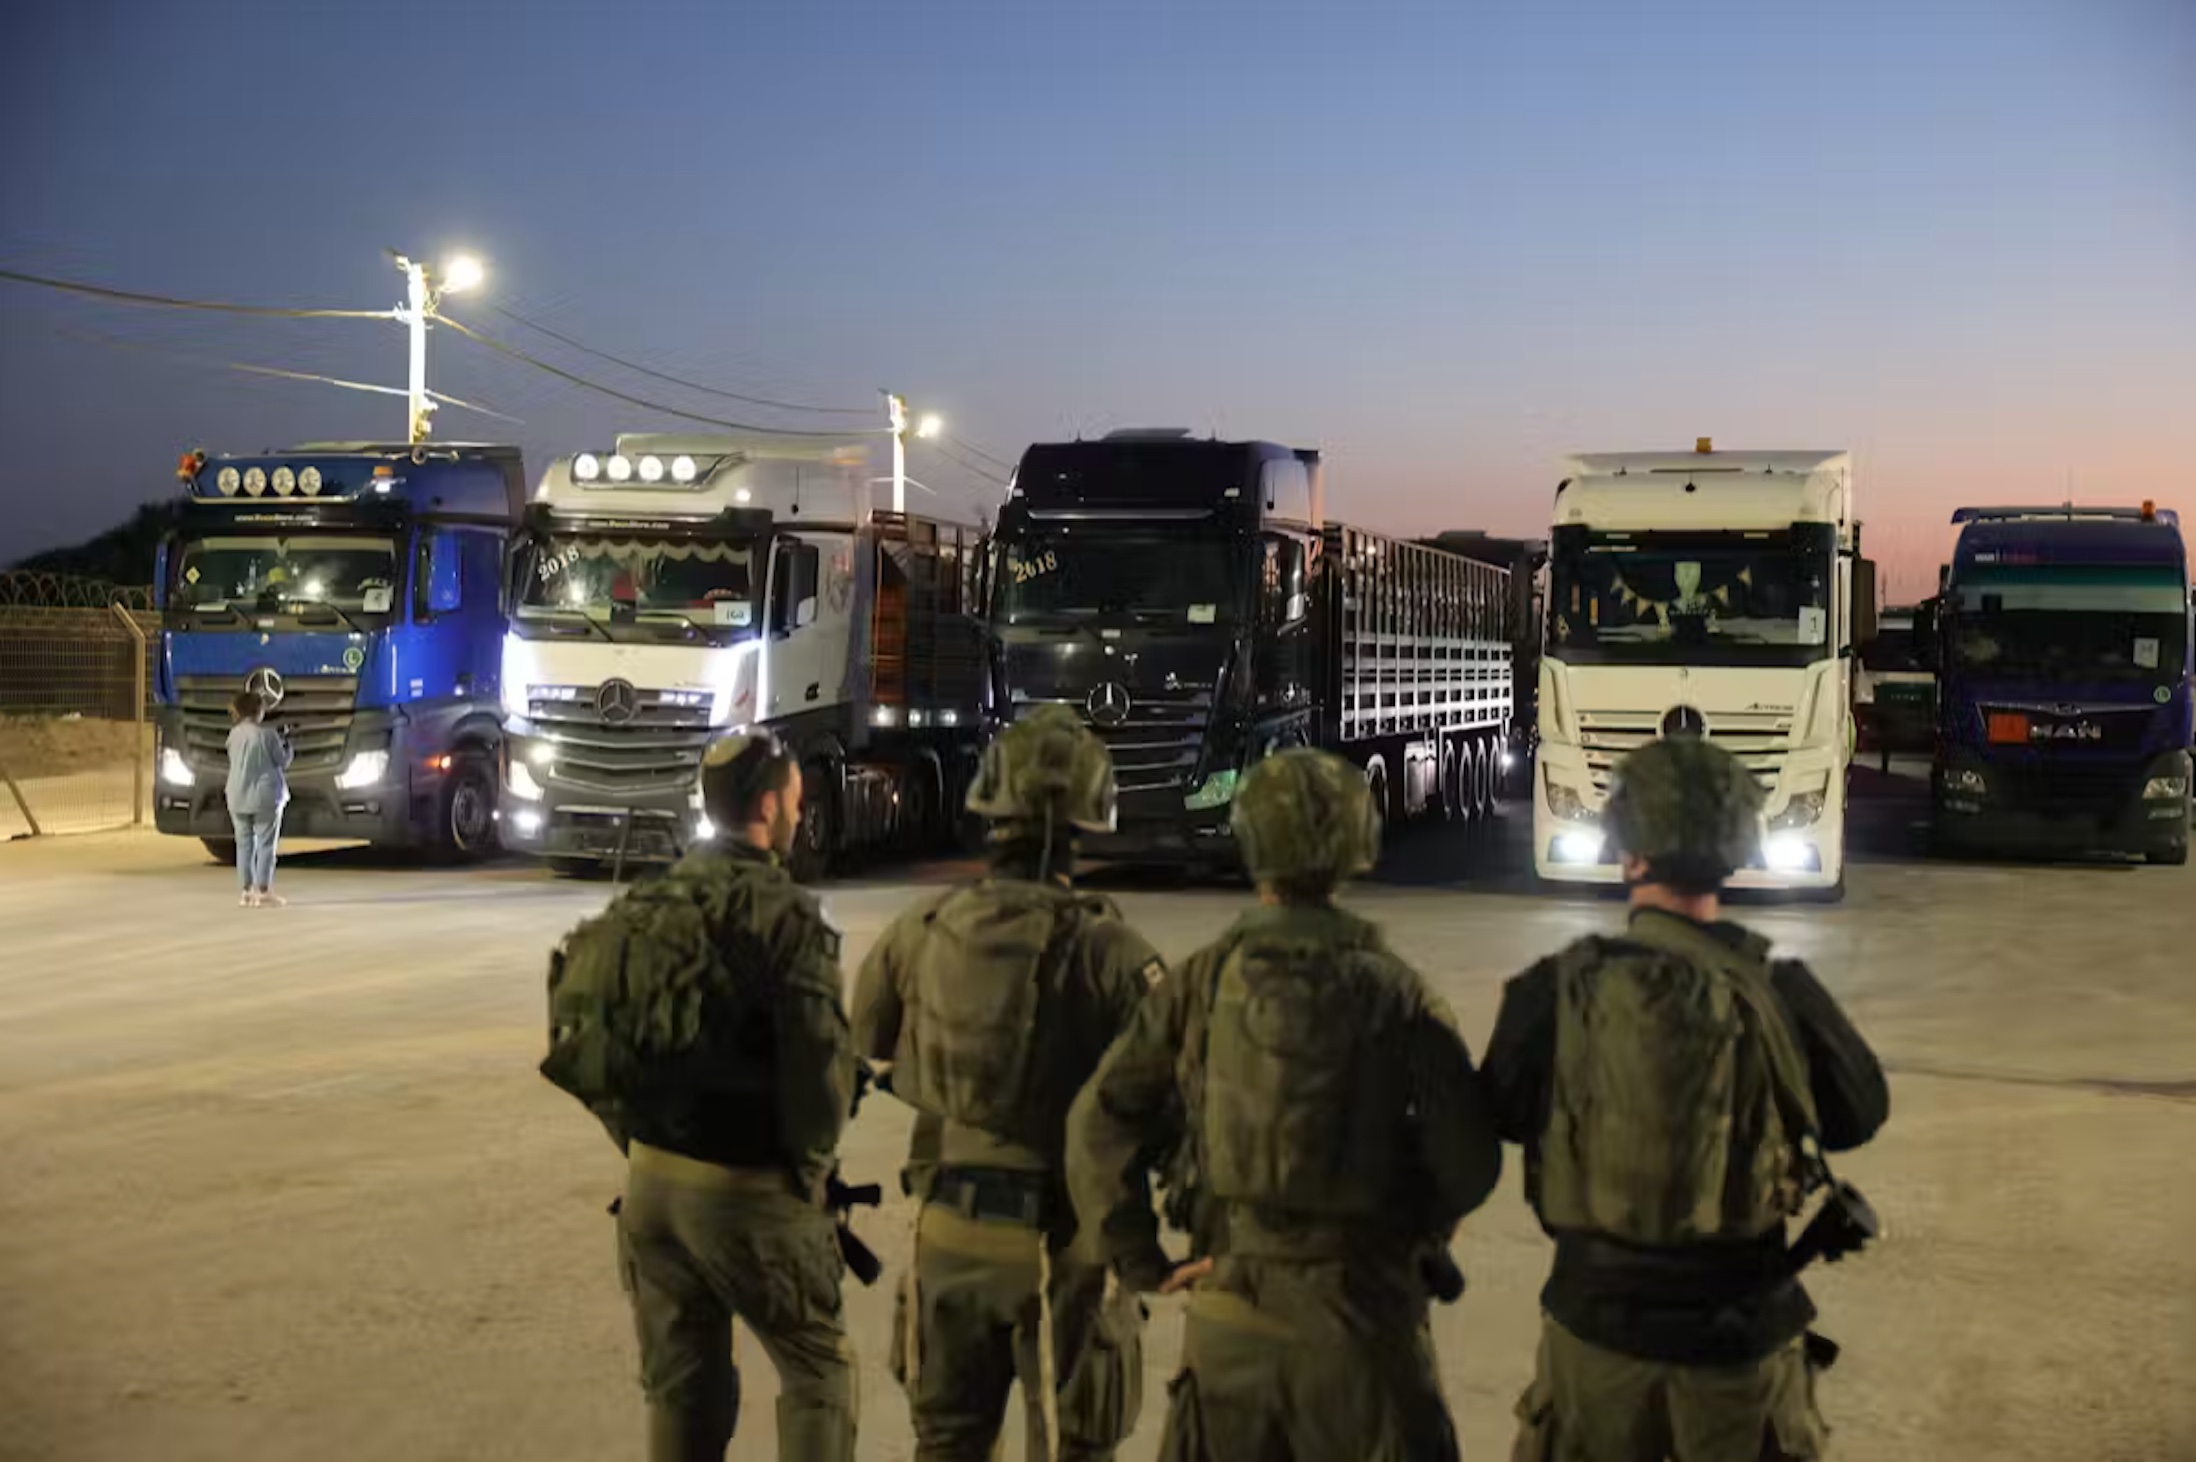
x=1967 y=780
x=174 y=771
x=2157 y=789
x=1801 y=810
x=366 y=769
x=1217 y=790
x=1789 y=853
x=1564 y=803
x=521 y=781
x=1577 y=847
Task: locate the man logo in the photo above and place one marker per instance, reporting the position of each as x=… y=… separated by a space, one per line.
x=616 y=702
x=1109 y=704
x=265 y=684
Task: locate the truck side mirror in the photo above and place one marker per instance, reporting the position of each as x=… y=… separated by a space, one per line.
x=160 y=573
x=1864 y=602
x=445 y=573
x=1925 y=634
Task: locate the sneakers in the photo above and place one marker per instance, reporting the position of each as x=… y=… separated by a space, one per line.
x=247 y=900
x=273 y=901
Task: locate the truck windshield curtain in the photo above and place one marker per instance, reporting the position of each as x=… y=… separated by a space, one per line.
x=710 y=582
x=356 y=574
x=2071 y=622
x=1691 y=598
x=1183 y=575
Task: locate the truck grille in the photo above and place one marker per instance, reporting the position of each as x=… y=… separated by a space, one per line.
x=1758 y=740
x=2075 y=789
x=317 y=709
x=654 y=750
x=1157 y=747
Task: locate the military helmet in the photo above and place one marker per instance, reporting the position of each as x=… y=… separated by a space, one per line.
x=1305 y=812
x=1684 y=797
x=736 y=770
x=1046 y=765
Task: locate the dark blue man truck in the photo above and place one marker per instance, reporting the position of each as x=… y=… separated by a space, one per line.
x=2061 y=638
x=356 y=587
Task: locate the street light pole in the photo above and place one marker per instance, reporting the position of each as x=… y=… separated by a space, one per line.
x=415 y=316
x=421 y=298
x=928 y=426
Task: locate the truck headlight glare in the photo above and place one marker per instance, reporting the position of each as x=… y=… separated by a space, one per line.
x=522 y=783
x=1788 y=853
x=174 y=771
x=366 y=769
x=1803 y=810
x=1578 y=847
x=1564 y=803
x=2165 y=789
x=1967 y=780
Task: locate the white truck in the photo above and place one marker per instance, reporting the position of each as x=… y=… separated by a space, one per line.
x=1717 y=593
x=678 y=588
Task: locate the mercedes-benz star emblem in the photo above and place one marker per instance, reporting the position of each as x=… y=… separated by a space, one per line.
x=1109 y=704
x=616 y=701
x=1684 y=721
x=265 y=684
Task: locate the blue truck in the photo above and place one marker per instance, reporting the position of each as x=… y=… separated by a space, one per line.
x=2061 y=638
x=357 y=588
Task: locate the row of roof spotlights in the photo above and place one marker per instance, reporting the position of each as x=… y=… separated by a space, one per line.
x=587 y=467
x=254 y=481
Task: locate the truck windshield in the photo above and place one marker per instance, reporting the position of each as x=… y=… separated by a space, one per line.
x=707 y=582
x=1721 y=598
x=1186 y=576
x=2071 y=622
x=354 y=574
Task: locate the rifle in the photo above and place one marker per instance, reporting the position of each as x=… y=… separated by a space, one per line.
x=840 y=1200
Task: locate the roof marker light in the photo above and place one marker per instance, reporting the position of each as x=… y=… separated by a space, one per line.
x=621 y=468
x=587 y=467
x=227 y=480
x=255 y=481
x=682 y=469
x=308 y=482
x=651 y=469
x=285 y=482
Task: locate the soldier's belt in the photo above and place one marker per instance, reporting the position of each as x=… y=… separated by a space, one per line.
x=997 y=1196
x=677 y=1167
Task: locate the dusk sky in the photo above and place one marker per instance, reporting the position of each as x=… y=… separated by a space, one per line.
x=1447 y=243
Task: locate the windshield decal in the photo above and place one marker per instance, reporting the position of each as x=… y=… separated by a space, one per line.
x=2146 y=652
x=1203 y=613
x=1035 y=566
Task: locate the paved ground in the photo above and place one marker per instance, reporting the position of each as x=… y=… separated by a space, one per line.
x=284 y=1185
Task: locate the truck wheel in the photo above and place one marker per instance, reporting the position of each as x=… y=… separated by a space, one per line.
x=1456 y=804
x=577 y=867
x=1376 y=783
x=465 y=811
x=918 y=830
x=2171 y=857
x=816 y=845
x=222 y=850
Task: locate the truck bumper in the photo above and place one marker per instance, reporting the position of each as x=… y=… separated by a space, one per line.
x=586 y=825
x=317 y=809
x=1971 y=825
x=1181 y=842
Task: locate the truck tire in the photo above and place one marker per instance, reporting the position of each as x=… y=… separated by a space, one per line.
x=577 y=868
x=2171 y=857
x=1376 y=784
x=919 y=802
x=465 y=810
x=222 y=850
x=1456 y=797
x=816 y=845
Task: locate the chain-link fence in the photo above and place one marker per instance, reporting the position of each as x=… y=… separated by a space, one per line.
x=76 y=737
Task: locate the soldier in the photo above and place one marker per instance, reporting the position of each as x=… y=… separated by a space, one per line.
x=1670 y=1088
x=699 y=1017
x=987 y=1008
x=1328 y=1134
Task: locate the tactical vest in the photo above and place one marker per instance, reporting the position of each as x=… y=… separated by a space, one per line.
x=665 y=997
x=976 y=997
x=1680 y=1098
x=1302 y=1101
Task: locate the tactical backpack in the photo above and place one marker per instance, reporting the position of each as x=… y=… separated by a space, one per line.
x=658 y=995
x=967 y=1049
x=1680 y=1109
x=1301 y=1099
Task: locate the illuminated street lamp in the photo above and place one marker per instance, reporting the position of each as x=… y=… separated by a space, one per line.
x=929 y=425
x=423 y=293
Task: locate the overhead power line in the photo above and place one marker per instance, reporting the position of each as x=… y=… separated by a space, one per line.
x=514 y=353
x=680 y=381
x=968 y=446
x=964 y=464
x=247 y=368
x=134 y=297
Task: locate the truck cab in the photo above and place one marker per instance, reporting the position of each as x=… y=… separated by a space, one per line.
x=355 y=588
x=1159 y=586
x=1712 y=593
x=2062 y=642
x=678 y=588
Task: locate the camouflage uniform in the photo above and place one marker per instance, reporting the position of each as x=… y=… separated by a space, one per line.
x=1661 y=1084
x=728 y=1146
x=1328 y=1134
x=990 y=1005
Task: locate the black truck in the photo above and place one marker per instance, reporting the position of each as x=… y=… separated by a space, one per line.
x=1190 y=601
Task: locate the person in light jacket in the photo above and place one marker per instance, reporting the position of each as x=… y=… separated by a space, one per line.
x=257 y=793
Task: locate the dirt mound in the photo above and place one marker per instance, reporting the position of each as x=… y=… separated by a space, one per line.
x=54 y=746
